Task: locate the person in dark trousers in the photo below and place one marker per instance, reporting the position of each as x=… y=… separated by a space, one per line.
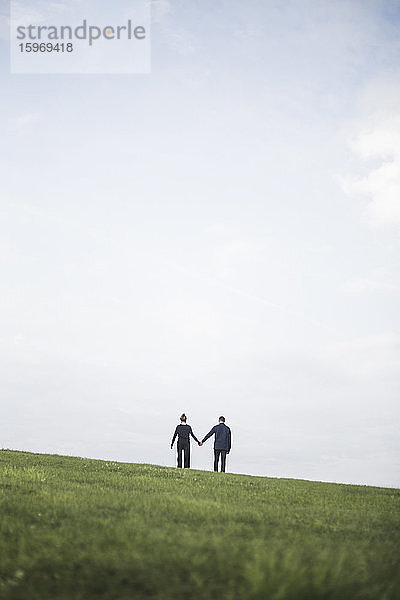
x=222 y=443
x=183 y=431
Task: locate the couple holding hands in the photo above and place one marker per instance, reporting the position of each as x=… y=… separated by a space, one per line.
x=222 y=443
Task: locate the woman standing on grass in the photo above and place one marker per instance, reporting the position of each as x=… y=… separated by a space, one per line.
x=183 y=431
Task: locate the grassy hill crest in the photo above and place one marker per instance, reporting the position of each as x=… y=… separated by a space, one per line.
x=76 y=528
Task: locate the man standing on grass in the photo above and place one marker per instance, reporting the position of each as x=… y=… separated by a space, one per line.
x=222 y=443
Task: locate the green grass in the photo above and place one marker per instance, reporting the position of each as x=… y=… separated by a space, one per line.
x=80 y=529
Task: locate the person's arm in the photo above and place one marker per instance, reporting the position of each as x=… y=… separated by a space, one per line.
x=229 y=441
x=209 y=434
x=192 y=434
x=175 y=434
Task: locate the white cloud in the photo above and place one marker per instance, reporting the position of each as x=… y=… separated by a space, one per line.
x=386 y=339
x=4 y=27
x=378 y=140
x=23 y=123
x=248 y=31
x=179 y=38
x=360 y=286
x=370 y=355
x=378 y=281
x=383 y=141
x=18 y=339
x=21 y=14
x=160 y=10
x=234 y=254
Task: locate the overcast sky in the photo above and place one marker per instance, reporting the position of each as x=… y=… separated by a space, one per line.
x=220 y=236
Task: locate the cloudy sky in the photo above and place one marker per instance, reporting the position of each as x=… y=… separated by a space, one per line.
x=220 y=236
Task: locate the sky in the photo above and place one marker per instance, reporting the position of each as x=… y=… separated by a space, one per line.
x=217 y=236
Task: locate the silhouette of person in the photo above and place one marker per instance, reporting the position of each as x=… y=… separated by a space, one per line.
x=222 y=443
x=183 y=431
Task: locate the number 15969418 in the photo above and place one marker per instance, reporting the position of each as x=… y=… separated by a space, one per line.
x=46 y=47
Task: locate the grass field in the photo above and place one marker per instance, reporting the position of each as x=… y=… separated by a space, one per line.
x=73 y=528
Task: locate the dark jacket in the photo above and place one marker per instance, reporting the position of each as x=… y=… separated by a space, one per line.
x=183 y=432
x=222 y=437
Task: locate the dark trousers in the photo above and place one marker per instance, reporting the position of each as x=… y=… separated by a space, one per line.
x=183 y=448
x=217 y=454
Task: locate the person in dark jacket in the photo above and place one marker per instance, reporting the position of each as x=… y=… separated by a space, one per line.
x=222 y=443
x=183 y=431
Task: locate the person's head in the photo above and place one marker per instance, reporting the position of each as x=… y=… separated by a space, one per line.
x=183 y=418
x=222 y=419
